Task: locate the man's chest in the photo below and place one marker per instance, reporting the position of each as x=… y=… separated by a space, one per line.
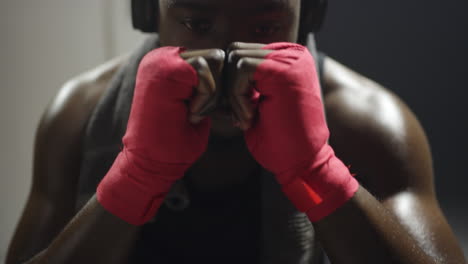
x=251 y=222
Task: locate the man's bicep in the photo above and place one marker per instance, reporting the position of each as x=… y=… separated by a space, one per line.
x=57 y=152
x=40 y=222
x=377 y=134
x=416 y=206
x=423 y=219
x=408 y=189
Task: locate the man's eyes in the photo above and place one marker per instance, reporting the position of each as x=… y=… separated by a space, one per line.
x=266 y=30
x=205 y=26
x=200 y=26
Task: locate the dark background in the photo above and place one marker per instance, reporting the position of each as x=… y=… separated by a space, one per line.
x=419 y=50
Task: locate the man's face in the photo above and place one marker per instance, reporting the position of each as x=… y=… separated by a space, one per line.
x=203 y=24
x=208 y=24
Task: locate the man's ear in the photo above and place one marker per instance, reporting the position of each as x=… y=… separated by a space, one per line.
x=319 y=13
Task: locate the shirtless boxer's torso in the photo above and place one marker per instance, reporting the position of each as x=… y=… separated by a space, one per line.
x=358 y=108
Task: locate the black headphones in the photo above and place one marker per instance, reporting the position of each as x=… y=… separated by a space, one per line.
x=144 y=14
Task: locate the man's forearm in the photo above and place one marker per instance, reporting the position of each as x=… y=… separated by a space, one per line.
x=92 y=236
x=364 y=231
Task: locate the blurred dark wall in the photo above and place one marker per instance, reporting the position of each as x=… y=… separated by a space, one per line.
x=419 y=50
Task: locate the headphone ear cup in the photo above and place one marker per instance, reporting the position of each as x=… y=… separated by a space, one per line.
x=311 y=18
x=144 y=15
x=318 y=12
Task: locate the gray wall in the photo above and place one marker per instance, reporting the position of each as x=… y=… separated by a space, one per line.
x=44 y=43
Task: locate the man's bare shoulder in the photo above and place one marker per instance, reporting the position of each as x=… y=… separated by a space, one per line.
x=78 y=96
x=59 y=134
x=375 y=132
x=85 y=89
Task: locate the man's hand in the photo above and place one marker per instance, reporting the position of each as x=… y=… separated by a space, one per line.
x=160 y=143
x=209 y=65
x=243 y=60
x=230 y=80
x=276 y=97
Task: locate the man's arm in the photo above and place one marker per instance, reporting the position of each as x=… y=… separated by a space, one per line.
x=394 y=217
x=93 y=235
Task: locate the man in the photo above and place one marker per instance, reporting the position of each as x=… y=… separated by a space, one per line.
x=392 y=216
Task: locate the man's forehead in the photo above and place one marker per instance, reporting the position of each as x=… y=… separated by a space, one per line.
x=254 y=4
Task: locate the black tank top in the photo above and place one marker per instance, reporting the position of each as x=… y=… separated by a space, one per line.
x=252 y=222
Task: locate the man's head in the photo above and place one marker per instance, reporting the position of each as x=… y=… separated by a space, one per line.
x=216 y=23
x=201 y=24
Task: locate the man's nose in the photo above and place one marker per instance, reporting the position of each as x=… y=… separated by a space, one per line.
x=229 y=32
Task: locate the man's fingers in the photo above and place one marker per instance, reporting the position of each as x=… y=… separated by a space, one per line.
x=214 y=58
x=241 y=91
x=243 y=59
x=204 y=91
x=244 y=45
x=235 y=55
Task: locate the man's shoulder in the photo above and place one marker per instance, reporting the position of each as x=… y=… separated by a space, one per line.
x=61 y=127
x=373 y=130
x=77 y=98
x=355 y=101
x=87 y=87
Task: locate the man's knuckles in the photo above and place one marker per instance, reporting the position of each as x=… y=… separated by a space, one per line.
x=198 y=63
x=236 y=55
x=244 y=45
x=213 y=57
x=247 y=65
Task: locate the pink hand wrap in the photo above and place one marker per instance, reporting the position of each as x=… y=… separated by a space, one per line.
x=290 y=135
x=160 y=144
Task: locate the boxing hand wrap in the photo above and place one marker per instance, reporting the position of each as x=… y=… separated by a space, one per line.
x=159 y=144
x=290 y=136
